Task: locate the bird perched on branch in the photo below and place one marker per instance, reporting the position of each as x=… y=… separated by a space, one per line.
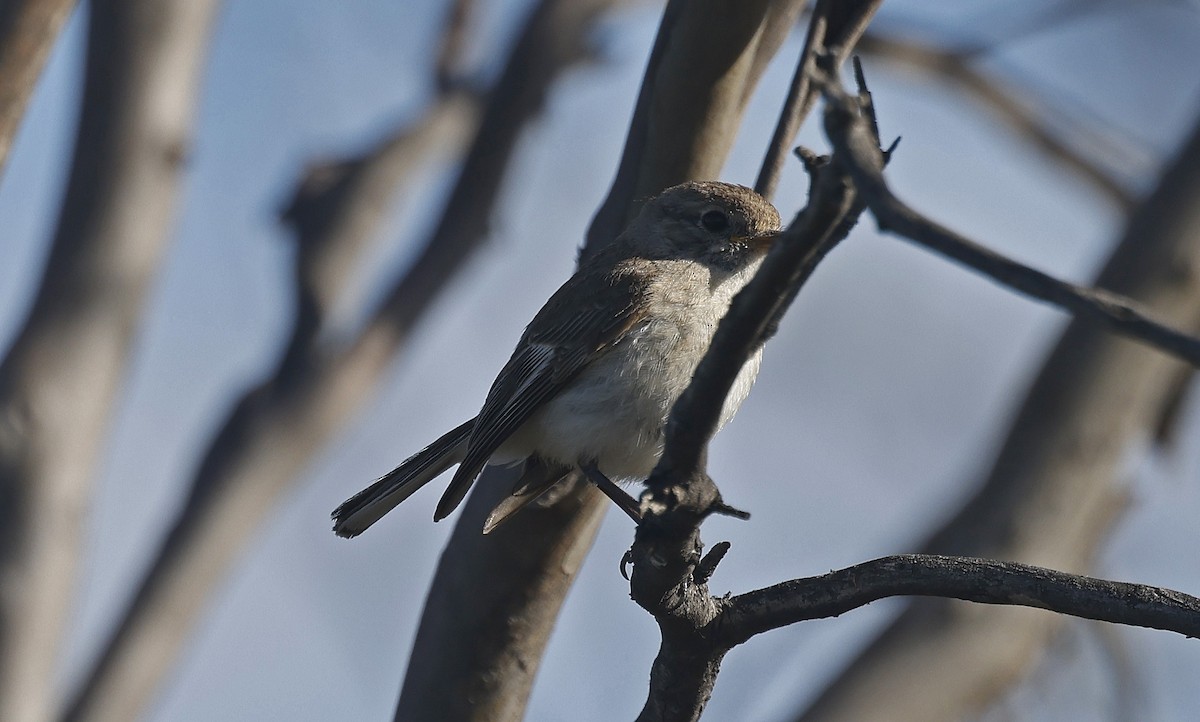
x=594 y=376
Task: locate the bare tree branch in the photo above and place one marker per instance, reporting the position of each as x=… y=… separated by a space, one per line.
x=338 y=206
x=60 y=376
x=699 y=629
x=1054 y=489
x=985 y=581
x=1010 y=105
x=835 y=26
x=849 y=134
x=28 y=29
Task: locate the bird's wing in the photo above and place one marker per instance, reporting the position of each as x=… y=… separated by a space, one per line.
x=580 y=321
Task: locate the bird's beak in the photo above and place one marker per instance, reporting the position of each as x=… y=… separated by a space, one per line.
x=763 y=241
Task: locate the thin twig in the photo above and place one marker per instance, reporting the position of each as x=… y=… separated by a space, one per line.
x=796 y=107
x=834 y=26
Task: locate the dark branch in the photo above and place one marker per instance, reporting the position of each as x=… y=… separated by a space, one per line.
x=974 y=580
x=669 y=574
x=796 y=106
x=851 y=137
x=753 y=316
x=836 y=26
x=1009 y=104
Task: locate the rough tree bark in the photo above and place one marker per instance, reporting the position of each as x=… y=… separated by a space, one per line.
x=59 y=378
x=1054 y=489
x=28 y=29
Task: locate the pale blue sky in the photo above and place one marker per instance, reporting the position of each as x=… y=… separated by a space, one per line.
x=877 y=409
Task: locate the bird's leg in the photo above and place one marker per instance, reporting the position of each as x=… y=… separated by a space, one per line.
x=536 y=480
x=624 y=501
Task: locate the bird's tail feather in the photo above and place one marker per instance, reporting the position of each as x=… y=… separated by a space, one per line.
x=368 y=506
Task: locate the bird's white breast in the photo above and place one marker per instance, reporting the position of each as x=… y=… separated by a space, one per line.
x=614 y=411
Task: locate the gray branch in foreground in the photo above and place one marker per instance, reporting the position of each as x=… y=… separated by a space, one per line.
x=669 y=576
x=827 y=219
x=831 y=212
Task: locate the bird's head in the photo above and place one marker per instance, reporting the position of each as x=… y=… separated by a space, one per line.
x=721 y=225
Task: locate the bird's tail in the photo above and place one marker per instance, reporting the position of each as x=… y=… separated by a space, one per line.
x=368 y=506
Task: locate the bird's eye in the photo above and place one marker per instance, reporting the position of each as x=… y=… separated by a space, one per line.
x=715 y=221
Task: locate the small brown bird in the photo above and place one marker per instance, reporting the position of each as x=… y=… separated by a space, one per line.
x=597 y=371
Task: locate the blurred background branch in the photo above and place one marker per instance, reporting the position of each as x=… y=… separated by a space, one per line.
x=272 y=432
x=28 y=29
x=60 y=378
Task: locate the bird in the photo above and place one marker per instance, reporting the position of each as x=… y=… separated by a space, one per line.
x=596 y=372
